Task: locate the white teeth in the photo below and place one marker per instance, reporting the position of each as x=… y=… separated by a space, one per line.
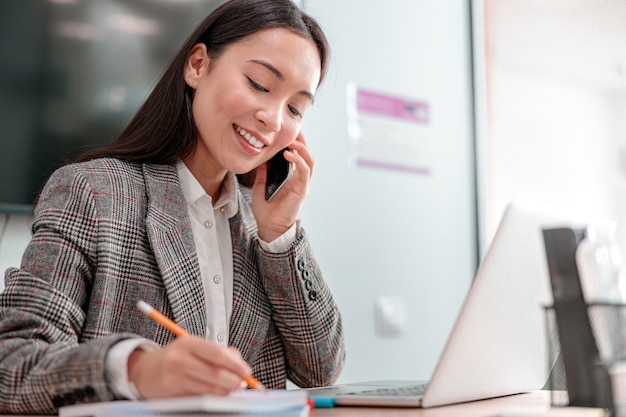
x=249 y=138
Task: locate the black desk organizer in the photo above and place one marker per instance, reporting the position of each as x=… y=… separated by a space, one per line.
x=586 y=340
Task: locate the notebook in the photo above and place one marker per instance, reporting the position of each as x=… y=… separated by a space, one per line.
x=498 y=344
x=250 y=403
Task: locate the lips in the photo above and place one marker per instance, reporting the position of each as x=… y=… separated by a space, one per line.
x=249 y=138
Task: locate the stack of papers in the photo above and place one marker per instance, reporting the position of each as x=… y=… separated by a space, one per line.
x=248 y=403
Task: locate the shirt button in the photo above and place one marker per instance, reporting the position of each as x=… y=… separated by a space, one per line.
x=220 y=337
x=217 y=279
x=208 y=224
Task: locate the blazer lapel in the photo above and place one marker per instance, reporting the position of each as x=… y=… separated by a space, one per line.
x=169 y=231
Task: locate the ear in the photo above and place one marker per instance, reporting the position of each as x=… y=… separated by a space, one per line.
x=197 y=64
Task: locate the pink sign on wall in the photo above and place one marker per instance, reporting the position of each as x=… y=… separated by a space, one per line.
x=393 y=107
x=388 y=131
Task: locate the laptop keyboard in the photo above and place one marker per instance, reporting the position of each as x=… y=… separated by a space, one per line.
x=408 y=390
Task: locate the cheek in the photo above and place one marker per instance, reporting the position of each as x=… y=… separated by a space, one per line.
x=289 y=132
x=202 y=108
x=234 y=101
x=220 y=99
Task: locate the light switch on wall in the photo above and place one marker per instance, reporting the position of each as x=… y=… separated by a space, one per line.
x=390 y=316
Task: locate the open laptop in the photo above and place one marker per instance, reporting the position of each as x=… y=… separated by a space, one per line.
x=498 y=345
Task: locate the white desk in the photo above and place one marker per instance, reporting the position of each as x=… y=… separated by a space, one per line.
x=529 y=404
x=534 y=402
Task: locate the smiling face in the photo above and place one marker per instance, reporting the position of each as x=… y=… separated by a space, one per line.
x=249 y=103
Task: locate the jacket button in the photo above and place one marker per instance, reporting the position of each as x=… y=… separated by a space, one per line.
x=79 y=395
x=308 y=284
x=89 y=391
x=301 y=264
x=69 y=398
x=305 y=274
x=313 y=295
x=58 y=401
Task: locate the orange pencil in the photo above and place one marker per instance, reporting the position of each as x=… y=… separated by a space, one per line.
x=155 y=315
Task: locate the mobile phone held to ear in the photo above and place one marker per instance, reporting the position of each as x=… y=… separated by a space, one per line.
x=279 y=171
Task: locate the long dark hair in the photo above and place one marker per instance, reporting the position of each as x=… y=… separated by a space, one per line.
x=163 y=131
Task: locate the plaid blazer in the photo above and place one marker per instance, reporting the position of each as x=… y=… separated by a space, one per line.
x=107 y=233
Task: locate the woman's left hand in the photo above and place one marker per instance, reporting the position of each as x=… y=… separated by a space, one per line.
x=276 y=216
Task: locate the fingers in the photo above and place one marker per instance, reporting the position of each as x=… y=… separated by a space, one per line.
x=219 y=368
x=275 y=217
x=299 y=148
x=188 y=366
x=300 y=157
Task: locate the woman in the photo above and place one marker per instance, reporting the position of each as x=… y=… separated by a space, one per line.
x=160 y=216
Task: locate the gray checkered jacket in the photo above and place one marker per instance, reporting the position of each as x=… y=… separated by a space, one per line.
x=107 y=233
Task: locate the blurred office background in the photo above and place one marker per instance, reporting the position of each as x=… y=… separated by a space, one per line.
x=551 y=108
x=524 y=98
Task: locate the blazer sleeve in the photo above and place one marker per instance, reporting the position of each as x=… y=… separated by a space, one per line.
x=304 y=313
x=44 y=361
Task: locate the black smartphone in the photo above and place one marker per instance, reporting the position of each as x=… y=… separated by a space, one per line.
x=279 y=171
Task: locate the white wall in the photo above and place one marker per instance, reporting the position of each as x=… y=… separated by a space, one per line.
x=383 y=233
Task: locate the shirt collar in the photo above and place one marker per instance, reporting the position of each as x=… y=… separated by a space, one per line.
x=193 y=191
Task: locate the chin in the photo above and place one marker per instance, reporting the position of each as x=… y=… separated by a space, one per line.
x=242 y=170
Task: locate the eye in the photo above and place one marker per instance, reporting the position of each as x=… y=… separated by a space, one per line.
x=294 y=111
x=257 y=86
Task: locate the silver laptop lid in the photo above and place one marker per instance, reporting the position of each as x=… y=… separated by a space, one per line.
x=498 y=345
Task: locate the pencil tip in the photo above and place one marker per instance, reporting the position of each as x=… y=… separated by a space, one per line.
x=255 y=384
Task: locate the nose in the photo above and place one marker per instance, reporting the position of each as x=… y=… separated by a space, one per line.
x=271 y=117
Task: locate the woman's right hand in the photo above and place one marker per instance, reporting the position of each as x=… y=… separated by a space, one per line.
x=189 y=365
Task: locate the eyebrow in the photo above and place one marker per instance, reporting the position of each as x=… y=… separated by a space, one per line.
x=281 y=77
